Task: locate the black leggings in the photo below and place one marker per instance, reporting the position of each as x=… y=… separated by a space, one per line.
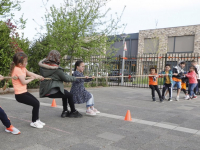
x=28 y=99
x=64 y=97
x=153 y=88
x=184 y=91
x=165 y=87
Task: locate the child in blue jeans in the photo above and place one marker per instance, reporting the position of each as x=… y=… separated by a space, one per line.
x=6 y=122
x=192 y=76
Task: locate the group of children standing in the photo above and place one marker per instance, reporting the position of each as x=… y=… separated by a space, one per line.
x=54 y=88
x=177 y=76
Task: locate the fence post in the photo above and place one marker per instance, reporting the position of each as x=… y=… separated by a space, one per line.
x=165 y=59
x=119 y=68
x=97 y=78
x=107 y=77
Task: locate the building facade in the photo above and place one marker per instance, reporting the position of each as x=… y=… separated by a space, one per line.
x=156 y=47
x=184 y=39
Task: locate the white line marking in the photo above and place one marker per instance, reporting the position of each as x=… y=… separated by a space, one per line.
x=140 y=121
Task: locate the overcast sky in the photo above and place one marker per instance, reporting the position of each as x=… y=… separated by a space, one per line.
x=138 y=15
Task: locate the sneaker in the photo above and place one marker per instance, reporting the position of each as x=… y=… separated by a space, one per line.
x=40 y=122
x=170 y=100
x=12 y=130
x=187 y=96
x=177 y=98
x=75 y=114
x=161 y=100
x=154 y=100
x=96 y=111
x=90 y=112
x=194 y=97
x=65 y=114
x=36 y=125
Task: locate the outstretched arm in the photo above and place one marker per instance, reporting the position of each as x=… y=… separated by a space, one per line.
x=33 y=75
x=64 y=77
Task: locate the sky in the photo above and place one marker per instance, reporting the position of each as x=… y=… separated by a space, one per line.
x=138 y=14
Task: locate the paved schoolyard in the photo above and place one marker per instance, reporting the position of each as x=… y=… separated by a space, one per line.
x=155 y=126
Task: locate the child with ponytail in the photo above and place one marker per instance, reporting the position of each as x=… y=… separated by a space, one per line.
x=80 y=95
x=18 y=69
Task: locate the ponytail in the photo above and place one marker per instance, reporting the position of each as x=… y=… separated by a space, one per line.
x=12 y=66
x=77 y=64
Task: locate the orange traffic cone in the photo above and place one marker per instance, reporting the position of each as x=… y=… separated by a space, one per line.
x=128 y=116
x=53 y=103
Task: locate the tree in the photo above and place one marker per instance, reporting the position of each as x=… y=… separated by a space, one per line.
x=6 y=7
x=10 y=41
x=79 y=29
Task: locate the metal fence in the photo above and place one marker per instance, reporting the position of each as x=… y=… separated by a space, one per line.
x=135 y=65
x=140 y=65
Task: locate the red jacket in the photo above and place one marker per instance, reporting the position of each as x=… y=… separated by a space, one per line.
x=192 y=76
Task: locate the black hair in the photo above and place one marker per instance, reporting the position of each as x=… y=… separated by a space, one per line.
x=153 y=68
x=182 y=63
x=168 y=65
x=77 y=64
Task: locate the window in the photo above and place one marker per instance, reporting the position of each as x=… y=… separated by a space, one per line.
x=181 y=44
x=151 y=45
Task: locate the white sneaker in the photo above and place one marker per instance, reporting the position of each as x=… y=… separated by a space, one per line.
x=12 y=130
x=96 y=111
x=36 y=125
x=187 y=96
x=40 y=122
x=177 y=98
x=90 y=112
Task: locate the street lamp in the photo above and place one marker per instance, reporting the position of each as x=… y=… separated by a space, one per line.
x=123 y=35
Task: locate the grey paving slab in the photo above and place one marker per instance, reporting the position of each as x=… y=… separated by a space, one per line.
x=110 y=136
x=83 y=146
x=156 y=146
x=98 y=142
x=185 y=108
x=111 y=148
x=37 y=147
x=186 y=148
x=177 y=120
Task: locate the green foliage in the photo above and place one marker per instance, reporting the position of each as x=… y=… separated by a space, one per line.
x=6 y=52
x=33 y=84
x=37 y=51
x=10 y=42
x=6 y=6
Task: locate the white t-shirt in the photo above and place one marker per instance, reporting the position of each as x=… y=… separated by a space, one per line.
x=198 y=70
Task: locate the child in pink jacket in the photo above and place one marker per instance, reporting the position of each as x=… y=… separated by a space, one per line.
x=192 y=76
